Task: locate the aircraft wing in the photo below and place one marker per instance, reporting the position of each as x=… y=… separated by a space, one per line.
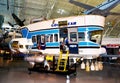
x=88 y=7
x=114 y=13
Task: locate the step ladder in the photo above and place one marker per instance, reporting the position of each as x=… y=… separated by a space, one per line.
x=62 y=61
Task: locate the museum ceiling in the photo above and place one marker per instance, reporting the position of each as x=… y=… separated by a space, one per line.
x=30 y=9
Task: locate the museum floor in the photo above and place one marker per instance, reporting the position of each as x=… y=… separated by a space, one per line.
x=16 y=71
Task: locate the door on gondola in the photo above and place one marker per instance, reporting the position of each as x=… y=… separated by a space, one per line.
x=41 y=42
x=73 y=40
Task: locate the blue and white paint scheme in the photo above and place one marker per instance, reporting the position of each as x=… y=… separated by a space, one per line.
x=80 y=34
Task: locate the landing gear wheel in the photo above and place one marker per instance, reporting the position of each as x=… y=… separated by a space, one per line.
x=46 y=68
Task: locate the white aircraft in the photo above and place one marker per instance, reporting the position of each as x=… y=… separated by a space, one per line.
x=6 y=27
x=11 y=30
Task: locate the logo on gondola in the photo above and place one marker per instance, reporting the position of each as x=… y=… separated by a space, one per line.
x=63 y=23
x=73 y=46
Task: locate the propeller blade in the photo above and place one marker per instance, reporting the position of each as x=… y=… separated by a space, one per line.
x=17 y=20
x=11 y=24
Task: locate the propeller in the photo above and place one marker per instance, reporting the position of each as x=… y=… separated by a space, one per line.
x=11 y=24
x=17 y=20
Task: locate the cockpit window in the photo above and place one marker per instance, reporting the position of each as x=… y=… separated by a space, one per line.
x=73 y=37
x=42 y=38
x=34 y=39
x=21 y=46
x=14 y=44
x=96 y=36
x=56 y=37
x=27 y=47
x=81 y=36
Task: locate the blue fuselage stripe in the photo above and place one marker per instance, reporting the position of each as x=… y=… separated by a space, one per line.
x=29 y=35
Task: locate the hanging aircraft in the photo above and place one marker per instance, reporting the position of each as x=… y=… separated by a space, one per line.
x=8 y=31
x=102 y=9
x=17 y=20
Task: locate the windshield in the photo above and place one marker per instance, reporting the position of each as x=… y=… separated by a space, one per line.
x=73 y=37
x=14 y=44
x=96 y=36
